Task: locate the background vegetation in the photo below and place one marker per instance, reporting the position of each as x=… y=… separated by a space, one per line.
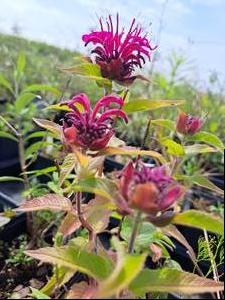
x=42 y=67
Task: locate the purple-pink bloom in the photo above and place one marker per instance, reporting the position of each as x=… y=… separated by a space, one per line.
x=91 y=129
x=187 y=124
x=147 y=189
x=119 y=53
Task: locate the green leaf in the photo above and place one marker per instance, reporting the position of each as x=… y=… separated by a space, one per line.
x=10 y=178
x=21 y=62
x=35 y=134
x=23 y=101
x=164 y=123
x=61 y=276
x=208 y=138
x=201 y=181
x=67 y=167
x=43 y=88
x=49 y=125
x=35 y=147
x=89 y=70
x=8 y=136
x=148 y=104
x=4 y=221
x=42 y=171
x=75 y=258
x=124 y=273
x=126 y=269
x=59 y=107
x=4 y=82
x=49 y=201
x=99 y=186
x=38 y=294
x=173 y=281
x=132 y=152
x=147 y=235
x=173 y=148
x=201 y=220
x=199 y=148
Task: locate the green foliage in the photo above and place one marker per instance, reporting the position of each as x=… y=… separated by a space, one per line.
x=201 y=220
x=176 y=282
x=76 y=259
x=147 y=235
x=216 y=248
x=120 y=270
x=36 y=294
x=17 y=255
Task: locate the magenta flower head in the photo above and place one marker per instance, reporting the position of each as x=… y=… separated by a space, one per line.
x=150 y=190
x=119 y=53
x=91 y=129
x=187 y=124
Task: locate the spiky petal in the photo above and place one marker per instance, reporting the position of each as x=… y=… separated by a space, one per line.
x=91 y=129
x=118 y=53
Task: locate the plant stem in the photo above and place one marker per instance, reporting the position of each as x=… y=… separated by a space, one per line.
x=14 y=131
x=30 y=216
x=146 y=132
x=83 y=222
x=23 y=161
x=144 y=139
x=65 y=88
x=134 y=232
x=212 y=260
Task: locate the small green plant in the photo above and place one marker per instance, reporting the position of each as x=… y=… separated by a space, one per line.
x=211 y=252
x=17 y=254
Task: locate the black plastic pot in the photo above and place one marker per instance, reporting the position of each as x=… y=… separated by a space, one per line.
x=10 y=197
x=9 y=157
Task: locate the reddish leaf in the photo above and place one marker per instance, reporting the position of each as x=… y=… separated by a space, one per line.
x=156 y=252
x=69 y=224
x=50 y=201
x=82 y=290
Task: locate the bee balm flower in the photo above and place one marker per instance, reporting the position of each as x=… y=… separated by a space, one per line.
x=91 y=129
x=148 y=189
x=187 y=124
x=119 y=53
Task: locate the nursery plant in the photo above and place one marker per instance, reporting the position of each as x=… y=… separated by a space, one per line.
x=118 y=228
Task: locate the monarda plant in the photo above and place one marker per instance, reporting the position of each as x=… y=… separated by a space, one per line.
x=129 y=215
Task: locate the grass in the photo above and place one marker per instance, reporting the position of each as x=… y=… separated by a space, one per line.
x=43 y=63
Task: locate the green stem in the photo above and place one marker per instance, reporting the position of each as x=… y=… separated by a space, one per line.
x=212 y=261
x=134 y=233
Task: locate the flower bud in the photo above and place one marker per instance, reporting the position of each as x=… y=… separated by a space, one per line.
x=150 y=190
x=187 y=124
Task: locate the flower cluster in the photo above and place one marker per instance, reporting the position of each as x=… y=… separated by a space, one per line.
x=147 y=189
x=187 y=124
x=119 y=53
x=91 y=129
